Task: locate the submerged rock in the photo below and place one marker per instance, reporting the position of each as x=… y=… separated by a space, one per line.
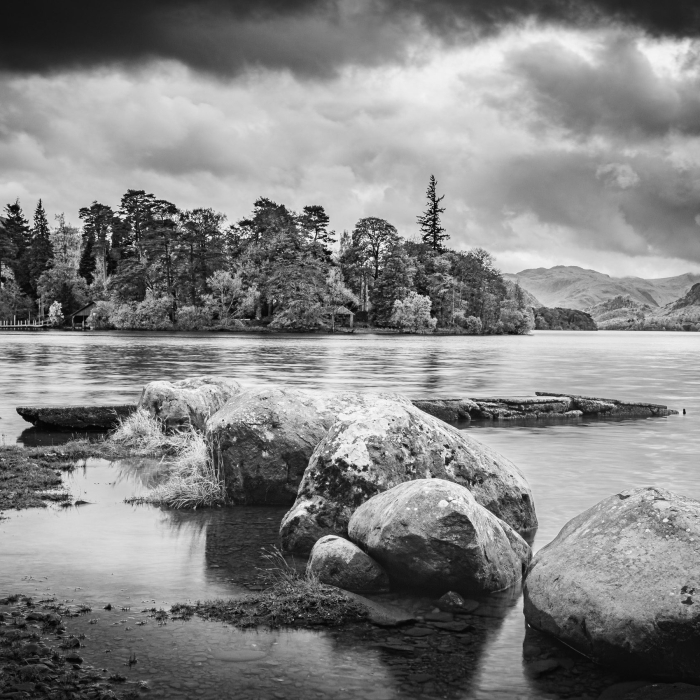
x=385 y=443
x=454 y=603
x=264 y=439
x=187 y=403
x=76 y=417
x=338 y=562
x=431 y=534
x=621 y=584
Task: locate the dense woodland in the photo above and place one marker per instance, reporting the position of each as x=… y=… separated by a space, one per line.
x=150 y=265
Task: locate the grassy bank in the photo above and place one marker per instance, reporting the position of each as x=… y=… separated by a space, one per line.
x=31 y=477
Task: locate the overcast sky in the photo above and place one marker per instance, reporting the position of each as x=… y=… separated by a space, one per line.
x=557 y=136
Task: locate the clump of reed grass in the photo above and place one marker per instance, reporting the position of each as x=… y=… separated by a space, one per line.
x=142 y=433
x=291 y=600
x=194 y=479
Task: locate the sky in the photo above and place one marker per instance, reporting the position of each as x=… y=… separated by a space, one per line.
x=560 y=132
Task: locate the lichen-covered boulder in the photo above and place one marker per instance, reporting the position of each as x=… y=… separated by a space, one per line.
x=372 y=449
x=338 y=562
x=432 y=535
x=621 y=584
x=187 y=403
x=264 y=439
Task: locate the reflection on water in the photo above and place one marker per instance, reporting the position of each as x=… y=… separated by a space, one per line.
x=123 y=554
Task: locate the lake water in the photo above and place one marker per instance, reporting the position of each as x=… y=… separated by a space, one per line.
x=129 y=555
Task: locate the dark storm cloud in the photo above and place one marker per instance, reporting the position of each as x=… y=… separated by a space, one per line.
x=616 y=90
x=307 y=36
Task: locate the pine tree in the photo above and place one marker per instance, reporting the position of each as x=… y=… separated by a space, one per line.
x=40 y=249
x=18 y=229
x=433 y=234
x=314 y=221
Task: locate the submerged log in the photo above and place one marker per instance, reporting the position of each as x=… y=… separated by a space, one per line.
x=76 y=417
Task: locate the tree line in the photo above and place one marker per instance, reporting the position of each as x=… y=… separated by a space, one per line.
x=149 y=264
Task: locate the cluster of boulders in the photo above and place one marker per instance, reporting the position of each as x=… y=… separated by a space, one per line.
x=380 y=492
x=384 y=494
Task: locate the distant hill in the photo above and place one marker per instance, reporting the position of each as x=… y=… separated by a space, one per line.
x=621 y=313
x=576 y=288
x=625 y=313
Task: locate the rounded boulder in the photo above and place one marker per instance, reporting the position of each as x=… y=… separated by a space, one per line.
x=189 y=402
x=432 y=535
x=375 y=447
x=621 y=584
x=337 y=562
x=264 y=439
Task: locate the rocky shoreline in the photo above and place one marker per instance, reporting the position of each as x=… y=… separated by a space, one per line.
x=385 y=494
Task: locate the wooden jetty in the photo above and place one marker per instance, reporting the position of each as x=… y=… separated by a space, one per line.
x=23 y=325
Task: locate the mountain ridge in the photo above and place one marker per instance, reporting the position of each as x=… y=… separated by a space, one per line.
x=574 y=287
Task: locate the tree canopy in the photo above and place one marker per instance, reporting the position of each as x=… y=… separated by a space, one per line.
x=150 y=264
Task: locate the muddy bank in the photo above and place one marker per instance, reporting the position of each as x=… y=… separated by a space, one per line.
x=40 y=658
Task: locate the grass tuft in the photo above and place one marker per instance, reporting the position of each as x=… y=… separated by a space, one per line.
x=142 y=433
x=192 y=480
x=291 y=600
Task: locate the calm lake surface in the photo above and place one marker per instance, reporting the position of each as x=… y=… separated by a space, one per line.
x=131 y=555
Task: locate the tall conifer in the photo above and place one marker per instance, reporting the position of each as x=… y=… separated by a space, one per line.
x=433 y=234
x=18 y=229
x=40 y=249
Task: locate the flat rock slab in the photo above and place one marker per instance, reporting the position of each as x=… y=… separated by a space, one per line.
x=542 y=406
x=76 y=417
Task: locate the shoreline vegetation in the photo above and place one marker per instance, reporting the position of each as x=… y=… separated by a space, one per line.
x=149 y=265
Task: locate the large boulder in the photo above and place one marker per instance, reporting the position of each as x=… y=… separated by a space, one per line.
x=189 y=402
x=264 y=439
x=621 y=584
x=340 y=563
x=431 y=534
x=376 y=447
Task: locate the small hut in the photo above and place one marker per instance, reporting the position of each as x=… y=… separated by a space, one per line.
x=339 y=316
x=80 y=317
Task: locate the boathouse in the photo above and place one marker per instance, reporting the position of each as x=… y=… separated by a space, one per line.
x=80 y=317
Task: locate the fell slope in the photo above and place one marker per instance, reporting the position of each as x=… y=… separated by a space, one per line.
x=577 y=288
